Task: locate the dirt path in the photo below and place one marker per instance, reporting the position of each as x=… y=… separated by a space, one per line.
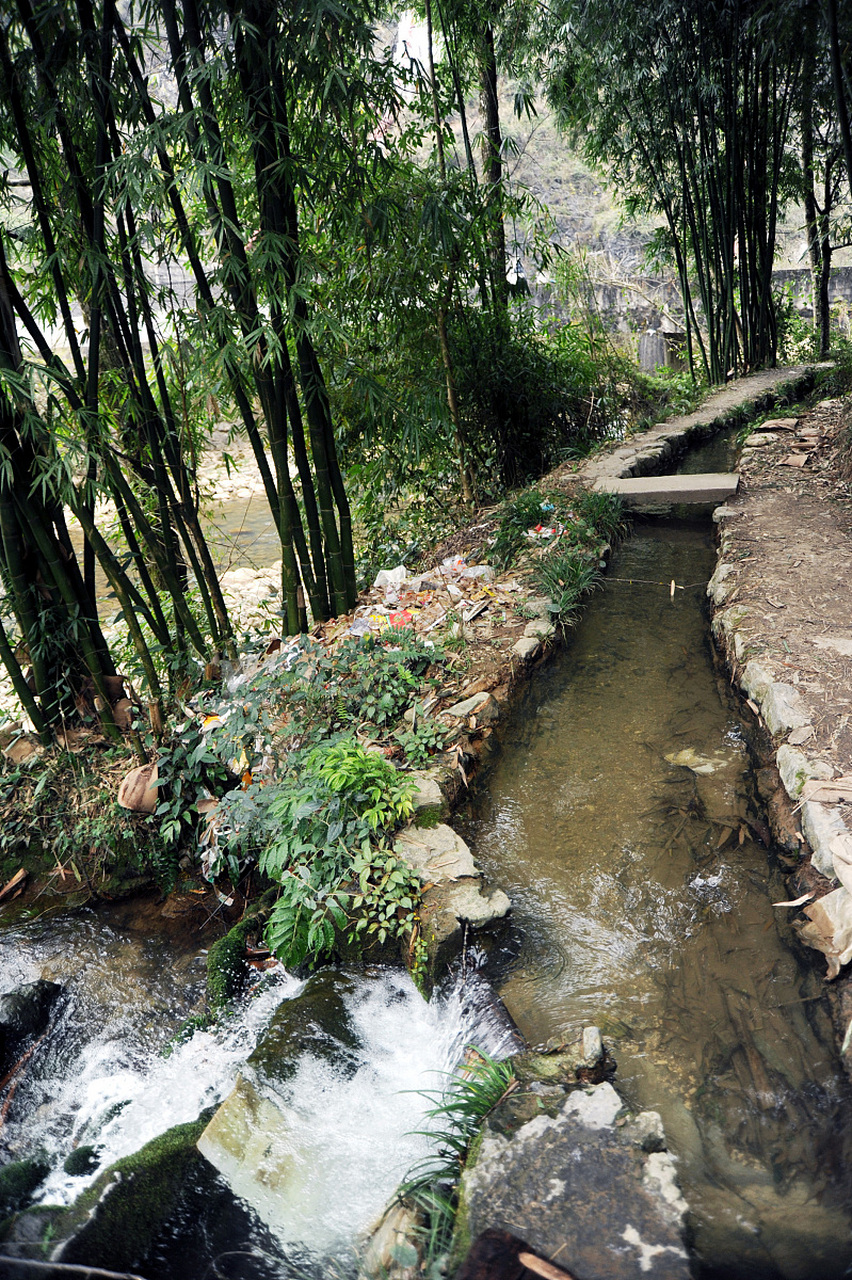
x=781 y=593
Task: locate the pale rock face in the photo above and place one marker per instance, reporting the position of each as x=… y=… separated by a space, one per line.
x=584 y=1190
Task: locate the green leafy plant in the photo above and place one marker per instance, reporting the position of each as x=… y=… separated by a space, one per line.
x=330 y=857
x=422 y=740
x=524 y=512
x=376 y=678
x=458 y=1112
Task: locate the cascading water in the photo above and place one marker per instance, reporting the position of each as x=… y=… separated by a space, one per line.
x=100 y=1078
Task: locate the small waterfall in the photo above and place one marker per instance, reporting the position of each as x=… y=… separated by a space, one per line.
x=101 y=1077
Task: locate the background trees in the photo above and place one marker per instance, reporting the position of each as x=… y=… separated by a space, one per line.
x=688 y=105
x=341 y=217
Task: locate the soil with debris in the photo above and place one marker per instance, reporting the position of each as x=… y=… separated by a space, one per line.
x=783 y=606
x=793 y=543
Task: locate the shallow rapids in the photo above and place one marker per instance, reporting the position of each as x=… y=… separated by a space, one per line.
x=101 y=1078
x=620 y=821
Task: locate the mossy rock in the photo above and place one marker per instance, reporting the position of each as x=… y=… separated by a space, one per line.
x=227 y=969
x=111 y=1225
x=461 y=1241
x=430 y=817
x=520 y=1107
x=17 y=1183
x=81 y=1160
x=316 y=1022
x=560 y=1067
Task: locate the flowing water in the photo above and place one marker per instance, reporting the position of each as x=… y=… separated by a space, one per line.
x=642 y=903
x=101 y=1078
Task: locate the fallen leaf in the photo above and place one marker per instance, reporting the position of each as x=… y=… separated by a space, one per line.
x=794 y=460
x=540 y=1267
x=17 y=879
x=795 y=902
x=828 y=790
x=830 y=929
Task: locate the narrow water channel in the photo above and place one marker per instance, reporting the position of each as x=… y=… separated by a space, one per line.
x=620 y=820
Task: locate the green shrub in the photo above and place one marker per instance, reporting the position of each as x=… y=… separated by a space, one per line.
x=333 y=814
x=422 y=740
x=457 y=1113
x=533 y=395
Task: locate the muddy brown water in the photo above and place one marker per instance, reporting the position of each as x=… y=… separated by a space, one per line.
x=642 y=904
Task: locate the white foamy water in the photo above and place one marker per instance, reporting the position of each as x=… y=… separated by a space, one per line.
x=341 y=1134
x=343 y=1123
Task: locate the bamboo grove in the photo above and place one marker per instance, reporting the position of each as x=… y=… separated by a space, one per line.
x=115 y=180
x=701 y=113
x=257 y=205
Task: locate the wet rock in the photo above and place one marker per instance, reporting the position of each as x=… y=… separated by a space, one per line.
x=447 y=909
x=437 y=853
x=316 y=1022
x=114 y=1221
x=592 y=1046
x=526 y=648
x=392 y=1253
x=82 y=1160
x=247 y=1142
x=24 y=1016
x=646 y=1131
x=581 y=1191
x=252 y=1139
x=563 y=1062
x=18 y=1181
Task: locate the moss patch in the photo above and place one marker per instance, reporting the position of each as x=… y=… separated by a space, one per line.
x=227 y=969
x=82 y=1160
x=17 y=1183
x=112 y=1223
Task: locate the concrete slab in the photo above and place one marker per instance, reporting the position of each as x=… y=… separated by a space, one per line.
x=642 y=491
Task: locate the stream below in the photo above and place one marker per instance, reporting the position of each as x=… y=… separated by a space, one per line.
x=110 y=1076
x=620 y=820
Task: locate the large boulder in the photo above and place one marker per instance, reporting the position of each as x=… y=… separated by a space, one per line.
x=114 y=1222
x=317 y=1022
x=599 y=1198
x=255 y=1139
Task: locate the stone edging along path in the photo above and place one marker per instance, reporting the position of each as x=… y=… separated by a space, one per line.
x=487 y=696
x=780 y=595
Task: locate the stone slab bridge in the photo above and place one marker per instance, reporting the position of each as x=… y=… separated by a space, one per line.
x=635 y=469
